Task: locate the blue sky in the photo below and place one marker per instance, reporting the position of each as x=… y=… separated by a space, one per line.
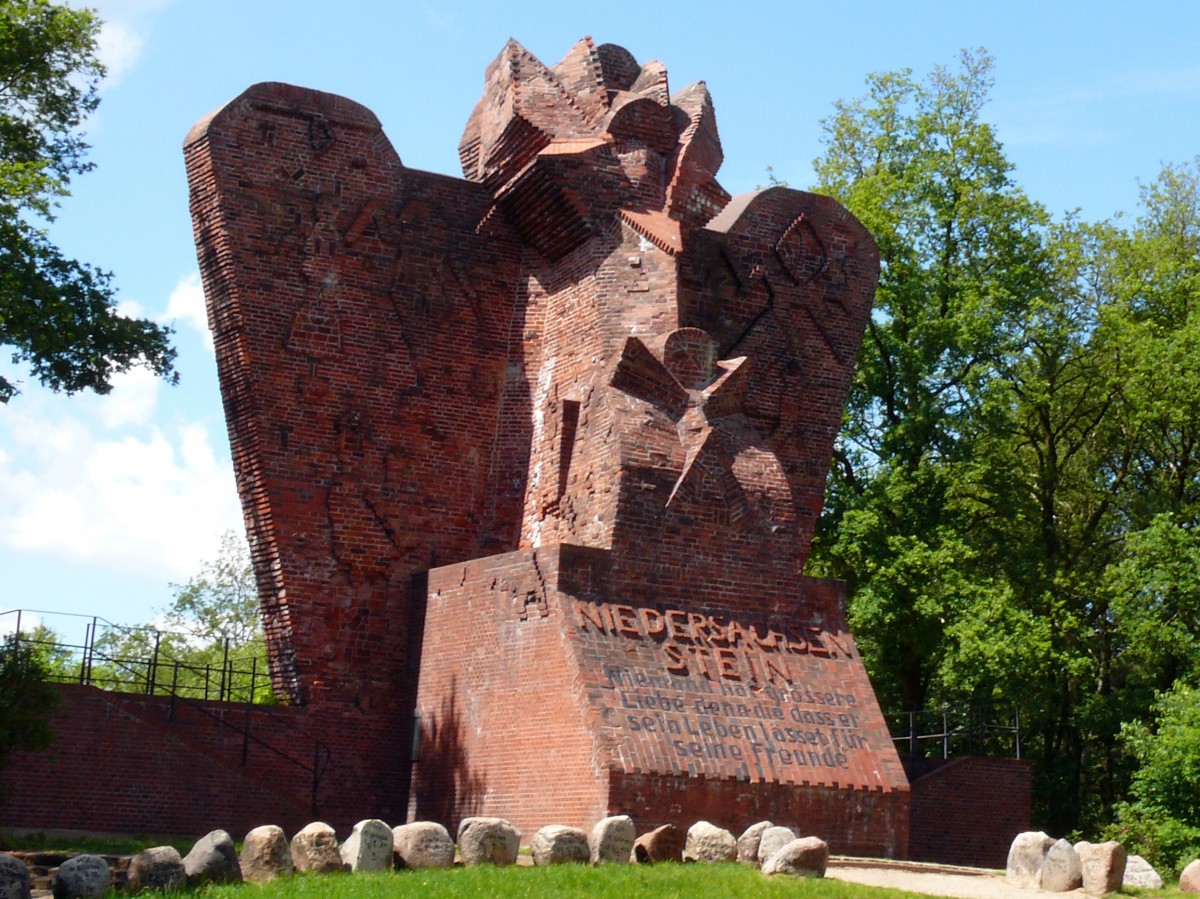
x=104 y=501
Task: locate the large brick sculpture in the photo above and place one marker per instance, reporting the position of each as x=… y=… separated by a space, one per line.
x=534 y=457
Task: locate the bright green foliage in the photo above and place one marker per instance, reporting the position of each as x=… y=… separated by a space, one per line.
x=27 y=698
x=1016 y=490
x=57 y=314
x=961 y=262
x=55 y=659
x=210 y=640
x=1162 y=820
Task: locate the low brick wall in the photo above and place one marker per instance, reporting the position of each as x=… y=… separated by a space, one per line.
x=124 y=763
x=966 y=811
x=121 y=763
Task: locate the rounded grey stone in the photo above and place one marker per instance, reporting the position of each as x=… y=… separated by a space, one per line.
x=488 y=841
x=369 y=846
x=82 y=877
x=805 y=857
x=160 y=868
x=213 y=859
x=773 y=839
x=423 y=844
x=556 y=844
x=14 y=878
x=314 y=849
x=1026 y=856
x=708 y=843
x=1061 y=870
x=1141 y=874
x=748 y=842
x=265 y=854
x=612 y=840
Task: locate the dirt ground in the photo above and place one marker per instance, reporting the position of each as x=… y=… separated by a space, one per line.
x=934 y=880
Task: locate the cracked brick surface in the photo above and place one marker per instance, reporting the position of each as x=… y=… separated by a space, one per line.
x=475 y=419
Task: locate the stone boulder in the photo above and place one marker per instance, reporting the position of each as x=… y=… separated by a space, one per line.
x=747 y=844
x=315 y=850
x=488 y=841
x=14 y=878
x=82 y=877
x=422 y=844
x=160 y=868
x=213 y=859
x=709 y=844
x=612 y=840
x=1103 y=866
x=1189 y=880
x=265 y=854
x=556 y=844
x=369 y=846
x=773 y=839
x=1141 y=874
x=663 y=844
x=1026 y=857
x=1061 y=869
x=805 y=857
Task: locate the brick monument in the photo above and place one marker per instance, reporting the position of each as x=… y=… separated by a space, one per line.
x=531 y=460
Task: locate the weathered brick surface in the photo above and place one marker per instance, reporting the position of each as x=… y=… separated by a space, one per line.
x=123 y=763
x=545 y=697
x=586 y=356
x=967 y=811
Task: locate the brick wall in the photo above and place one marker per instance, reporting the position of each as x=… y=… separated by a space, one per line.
x=545 y=696
x=119 y=765
x=585 y=344
x=966 y=811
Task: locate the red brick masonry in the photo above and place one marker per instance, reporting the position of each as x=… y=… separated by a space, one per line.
x=968 y=810
x=588 y=397
x=545 y=697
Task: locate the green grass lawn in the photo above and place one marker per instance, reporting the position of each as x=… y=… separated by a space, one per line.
x=616 y=881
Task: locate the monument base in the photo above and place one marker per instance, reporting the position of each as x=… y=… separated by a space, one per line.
x=546 y=697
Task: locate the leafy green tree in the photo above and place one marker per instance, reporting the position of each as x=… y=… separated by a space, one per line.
x=961 y=261
x=1014 y=496
x=56 y=659
x=210 y=642
x=27 y=698
x=57 y=314
x=1162 y=820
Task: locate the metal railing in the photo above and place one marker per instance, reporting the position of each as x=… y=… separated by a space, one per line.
x=140 y=659
x=950 y=732
x=104 y=659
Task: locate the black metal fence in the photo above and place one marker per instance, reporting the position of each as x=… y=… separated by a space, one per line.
x=89 y=650
x=992 y=730
x=140 y=660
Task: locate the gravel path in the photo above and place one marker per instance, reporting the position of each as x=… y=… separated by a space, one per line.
x=961 y=883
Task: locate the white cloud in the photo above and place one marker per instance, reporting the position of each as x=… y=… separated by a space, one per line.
x=133 y=401
x=126 y=25
x=186 y=304
x=110 y=488
x=9 y=620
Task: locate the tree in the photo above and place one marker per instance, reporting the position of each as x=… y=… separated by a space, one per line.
x=56 y=313
x=961 y=261
x=1016 y=489
x=1162 y=820
x=27 y=698
x=221 y=602
x=210 y=641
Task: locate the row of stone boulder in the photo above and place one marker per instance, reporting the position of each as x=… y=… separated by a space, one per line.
x=1038 y=861
x=373 y=846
